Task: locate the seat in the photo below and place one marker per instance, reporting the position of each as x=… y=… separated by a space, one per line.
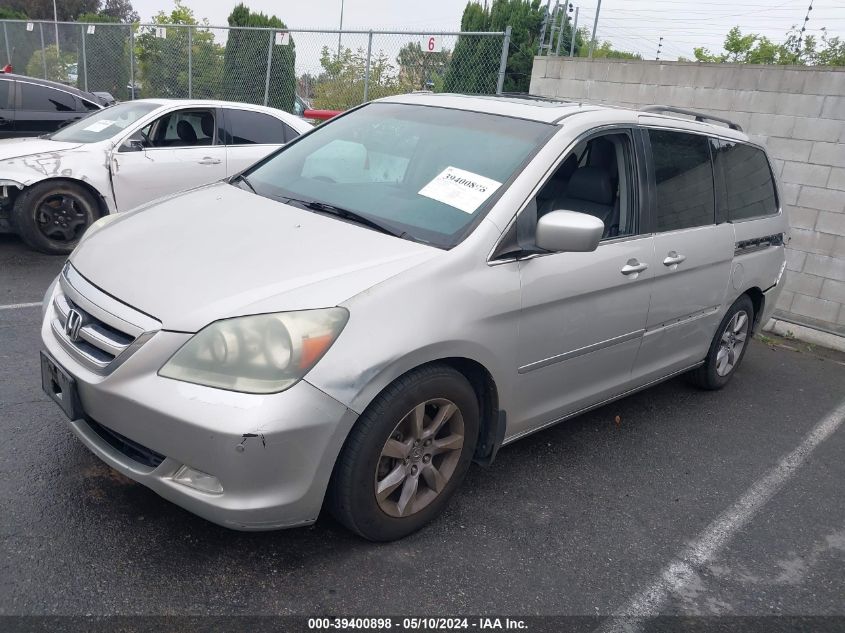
x=590 y=191
x=185 y=132
x=207 y=124
x=555 y=188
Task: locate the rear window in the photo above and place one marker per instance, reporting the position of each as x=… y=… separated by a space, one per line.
x=247 y=128
x=749 y=188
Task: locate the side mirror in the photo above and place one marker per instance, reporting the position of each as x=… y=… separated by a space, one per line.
x=133 y=145
x=569 y=231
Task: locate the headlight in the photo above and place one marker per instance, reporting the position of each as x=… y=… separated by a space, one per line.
x=265 y=353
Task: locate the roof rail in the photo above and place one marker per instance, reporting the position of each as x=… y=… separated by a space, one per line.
x=532 y=97
x=699 y=116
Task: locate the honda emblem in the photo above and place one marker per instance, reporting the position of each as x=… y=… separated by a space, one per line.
x=73 y=325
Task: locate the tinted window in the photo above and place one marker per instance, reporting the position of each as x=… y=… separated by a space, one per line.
x=749 y=188
x=290 y=133
x=684 y=178
x=4 y=94
x=45 y=99
x=246 y=128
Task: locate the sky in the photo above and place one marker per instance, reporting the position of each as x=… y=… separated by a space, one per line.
x=633 y=26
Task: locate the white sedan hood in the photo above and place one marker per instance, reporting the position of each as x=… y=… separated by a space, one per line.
x=220 y=251
x=20 y=147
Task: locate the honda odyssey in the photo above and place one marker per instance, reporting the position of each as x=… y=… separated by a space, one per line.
x=353 y=320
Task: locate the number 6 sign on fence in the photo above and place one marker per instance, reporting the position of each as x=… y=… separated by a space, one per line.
x=432 y=44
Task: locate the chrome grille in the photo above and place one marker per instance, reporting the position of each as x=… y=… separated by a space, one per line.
x=95 y=327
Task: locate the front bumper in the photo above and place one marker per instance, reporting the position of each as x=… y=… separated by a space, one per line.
x=273 y=454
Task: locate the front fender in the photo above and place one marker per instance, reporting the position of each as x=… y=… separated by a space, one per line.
x=26 y=171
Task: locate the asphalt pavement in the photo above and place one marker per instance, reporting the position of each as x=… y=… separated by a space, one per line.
x=579 y=519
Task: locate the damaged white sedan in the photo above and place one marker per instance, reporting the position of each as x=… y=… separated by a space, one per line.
x=55 y=186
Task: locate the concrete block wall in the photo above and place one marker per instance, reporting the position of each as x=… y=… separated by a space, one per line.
x=798 y=113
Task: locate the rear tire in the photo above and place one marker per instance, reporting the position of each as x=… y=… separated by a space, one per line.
x=727 y=348
x=406 y=455
x=52 y=216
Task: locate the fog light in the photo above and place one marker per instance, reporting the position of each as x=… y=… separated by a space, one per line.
x=194 y=478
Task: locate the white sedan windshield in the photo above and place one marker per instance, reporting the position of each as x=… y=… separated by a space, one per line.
x=104 y=124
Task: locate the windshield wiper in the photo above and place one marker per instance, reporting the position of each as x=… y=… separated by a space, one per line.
x=346 y=214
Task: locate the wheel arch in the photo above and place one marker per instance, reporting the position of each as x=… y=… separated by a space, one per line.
x=102 y=204
x=758 y=300
x=493 y=421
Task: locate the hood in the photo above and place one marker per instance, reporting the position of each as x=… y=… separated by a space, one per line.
x=220 y=251
x=18 y=147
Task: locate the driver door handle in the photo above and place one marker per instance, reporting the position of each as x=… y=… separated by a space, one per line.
x=208 y=160
x=673 y=259
x=633 y=267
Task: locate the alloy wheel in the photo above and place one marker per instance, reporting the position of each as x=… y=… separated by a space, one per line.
x=419 y=458
x=731 y=343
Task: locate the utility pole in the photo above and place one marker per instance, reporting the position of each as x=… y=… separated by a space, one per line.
x=659 y=46
x=340 y=33
x=56 y=24
x=554 y=28
x=595 y=26
x=543 y=27
x=574 y=31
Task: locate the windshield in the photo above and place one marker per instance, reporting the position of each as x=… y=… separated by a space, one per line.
x=428 y=173
x=104 y=124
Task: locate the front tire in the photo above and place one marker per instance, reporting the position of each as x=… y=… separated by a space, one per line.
x=52 y=216
x=727 y=348
x=406 y=455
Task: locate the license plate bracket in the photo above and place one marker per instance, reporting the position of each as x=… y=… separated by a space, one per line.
x=60 y=386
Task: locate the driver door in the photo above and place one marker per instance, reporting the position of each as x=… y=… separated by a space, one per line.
x=583 y=314
x=177 y=151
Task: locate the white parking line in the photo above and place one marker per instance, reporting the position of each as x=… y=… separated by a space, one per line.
x=16 y=306
x=683 y=569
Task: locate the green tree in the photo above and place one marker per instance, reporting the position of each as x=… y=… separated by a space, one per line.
x=43 y=9
x=107 y=56
x=420 y=70
x=341 y=84
x=474 y=66
x=472 y=69
x=58 y=66
x=797 y=49
x=603 y=49
x=163 y=61
x=245 y=61
x=120 y=10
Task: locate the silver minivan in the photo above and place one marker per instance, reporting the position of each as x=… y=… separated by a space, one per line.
x=402 y=291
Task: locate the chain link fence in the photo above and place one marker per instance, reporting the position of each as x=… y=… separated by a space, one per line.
x=292 y=69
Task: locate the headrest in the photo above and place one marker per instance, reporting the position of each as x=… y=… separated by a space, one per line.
x=591 y=184
x=185 y=131
x=207 y=123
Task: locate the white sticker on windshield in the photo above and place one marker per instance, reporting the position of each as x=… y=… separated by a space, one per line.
x=98 y=126
x=459 y=188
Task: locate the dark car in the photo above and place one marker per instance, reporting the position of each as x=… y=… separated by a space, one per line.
x=31 y=107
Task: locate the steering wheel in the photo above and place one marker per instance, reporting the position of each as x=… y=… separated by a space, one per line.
x=325 y=179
